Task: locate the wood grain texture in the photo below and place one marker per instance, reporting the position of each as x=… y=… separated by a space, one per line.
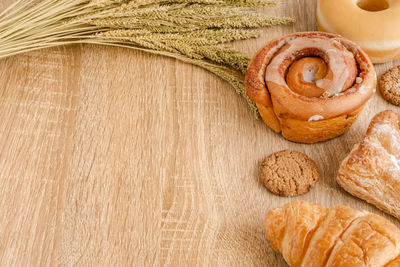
x=112 y=157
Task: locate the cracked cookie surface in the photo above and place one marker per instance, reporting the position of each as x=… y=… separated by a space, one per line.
x=289 y=173
x=389 y=85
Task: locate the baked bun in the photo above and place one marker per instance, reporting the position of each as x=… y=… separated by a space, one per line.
x=310 y=86
x=373 y=24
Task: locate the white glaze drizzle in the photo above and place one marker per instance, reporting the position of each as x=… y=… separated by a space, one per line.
x=271 y=53
x=316 y=118
x=388 y=136
x=337 y=63
x=309 y=75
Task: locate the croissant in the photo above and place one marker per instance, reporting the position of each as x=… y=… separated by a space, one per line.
x=372 y=169
x=310 y=86
x=310 y=235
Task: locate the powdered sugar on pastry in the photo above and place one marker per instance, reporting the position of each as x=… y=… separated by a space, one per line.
x=372 y=170
x=388 y=135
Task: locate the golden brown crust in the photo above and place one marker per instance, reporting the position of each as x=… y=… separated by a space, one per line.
x=289 y=173
x=394 y=263
x=310 y=235
x=285 y=110
x=336 y=222
x=389 y=85
x=375 y=31
x=372 y=169
x=316 y=131
x=290 y=229
x=268 y=116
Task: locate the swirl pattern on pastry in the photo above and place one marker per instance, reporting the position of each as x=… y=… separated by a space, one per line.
x=310 y=86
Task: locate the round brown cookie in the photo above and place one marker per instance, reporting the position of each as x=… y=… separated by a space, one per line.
x=289 y=173
x=389 y=85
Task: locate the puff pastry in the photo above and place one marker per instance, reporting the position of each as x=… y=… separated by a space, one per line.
x=310 y=235
x=310 y=86
x=372 y=170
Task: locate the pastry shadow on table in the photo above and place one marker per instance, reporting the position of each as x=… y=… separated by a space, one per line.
x=327 y=155
x=343 y=199
x=258 y=250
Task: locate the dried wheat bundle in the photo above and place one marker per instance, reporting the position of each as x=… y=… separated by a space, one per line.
x=189 y=30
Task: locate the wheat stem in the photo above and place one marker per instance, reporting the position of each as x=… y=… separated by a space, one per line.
x=188 y=30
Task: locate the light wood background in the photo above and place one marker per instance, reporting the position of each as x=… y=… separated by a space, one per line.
x=111 y=157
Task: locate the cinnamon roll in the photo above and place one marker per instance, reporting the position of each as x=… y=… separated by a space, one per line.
x=310 y=86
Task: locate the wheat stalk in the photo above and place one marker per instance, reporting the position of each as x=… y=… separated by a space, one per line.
x=189 y=30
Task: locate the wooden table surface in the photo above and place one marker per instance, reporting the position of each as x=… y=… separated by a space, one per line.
x=112 y=157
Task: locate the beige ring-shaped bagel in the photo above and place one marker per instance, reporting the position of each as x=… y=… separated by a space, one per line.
x=346 y=76
x=377 y=32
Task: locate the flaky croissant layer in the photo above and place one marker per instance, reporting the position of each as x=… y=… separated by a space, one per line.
x=311 y=235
